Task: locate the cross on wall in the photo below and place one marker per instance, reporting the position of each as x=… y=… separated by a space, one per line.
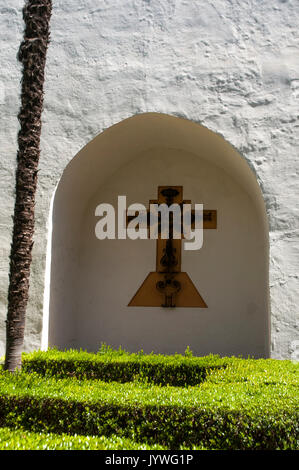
x=168 y=286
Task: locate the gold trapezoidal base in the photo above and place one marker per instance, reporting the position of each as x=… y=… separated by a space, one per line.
x=149 y=296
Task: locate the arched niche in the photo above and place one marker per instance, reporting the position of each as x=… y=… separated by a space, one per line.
x=92 y=281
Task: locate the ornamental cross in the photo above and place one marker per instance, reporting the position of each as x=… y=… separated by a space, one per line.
x=168 y=286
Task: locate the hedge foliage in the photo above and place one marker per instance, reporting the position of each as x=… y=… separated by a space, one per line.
x=241 y=404
x=120 y=366
x=20 y=439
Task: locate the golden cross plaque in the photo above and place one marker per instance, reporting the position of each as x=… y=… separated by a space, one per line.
x=168 y=286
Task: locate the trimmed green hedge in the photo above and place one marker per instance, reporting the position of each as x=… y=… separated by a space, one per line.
x=249 y=404
x=120 y=366
x=20 y=439
x=172 y=427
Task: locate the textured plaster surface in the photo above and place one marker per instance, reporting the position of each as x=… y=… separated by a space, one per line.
x=231 y=65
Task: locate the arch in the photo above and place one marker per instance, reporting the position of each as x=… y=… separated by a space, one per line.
x=92 y=281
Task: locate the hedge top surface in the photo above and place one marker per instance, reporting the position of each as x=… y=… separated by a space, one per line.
x=247 y=384
x=107 y=355
x=121 y=366
x=228 y=395
x=20 y=439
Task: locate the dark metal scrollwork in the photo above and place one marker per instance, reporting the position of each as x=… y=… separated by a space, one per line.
x=170 y=286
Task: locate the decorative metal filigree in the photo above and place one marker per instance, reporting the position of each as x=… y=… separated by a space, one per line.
x=170 y=286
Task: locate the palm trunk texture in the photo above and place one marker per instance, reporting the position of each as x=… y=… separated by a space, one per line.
x=32 y=54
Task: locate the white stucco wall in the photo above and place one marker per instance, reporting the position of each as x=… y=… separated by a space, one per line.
x=92 y=281
x=232 y=66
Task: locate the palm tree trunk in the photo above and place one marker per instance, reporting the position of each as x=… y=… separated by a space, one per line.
x=32 y=54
